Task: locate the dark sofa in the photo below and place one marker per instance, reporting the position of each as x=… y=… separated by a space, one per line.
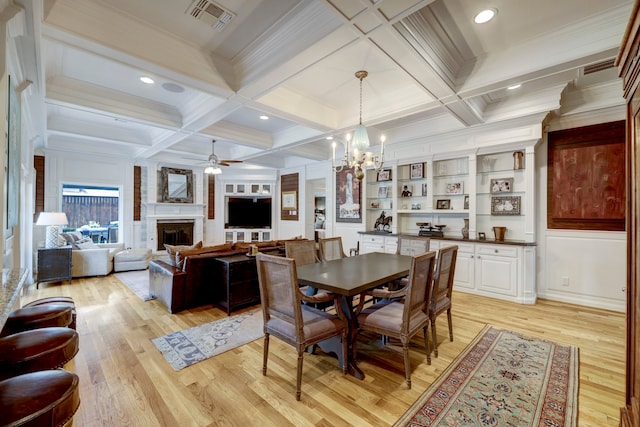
x=195 y=276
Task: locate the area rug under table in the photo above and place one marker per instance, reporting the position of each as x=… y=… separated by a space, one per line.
x=502 y=378
x=189 y=346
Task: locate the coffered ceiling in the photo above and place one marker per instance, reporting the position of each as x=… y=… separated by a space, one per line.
x=430 y=67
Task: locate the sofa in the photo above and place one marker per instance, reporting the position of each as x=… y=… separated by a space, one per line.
x=88 y=258
x=191 y=275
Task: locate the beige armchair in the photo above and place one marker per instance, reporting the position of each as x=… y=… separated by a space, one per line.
x=95 y=261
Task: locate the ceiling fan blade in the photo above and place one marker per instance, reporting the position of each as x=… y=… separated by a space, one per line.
x=223 y=164
x=231 y=161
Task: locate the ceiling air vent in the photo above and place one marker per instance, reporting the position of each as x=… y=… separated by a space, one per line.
x=594 y=68
x=210 y=13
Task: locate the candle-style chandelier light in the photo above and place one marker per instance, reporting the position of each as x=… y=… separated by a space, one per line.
x=360 y=157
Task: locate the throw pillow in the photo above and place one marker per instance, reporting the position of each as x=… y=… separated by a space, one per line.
x=85 y=243
x=173 y=249
x=181 y=255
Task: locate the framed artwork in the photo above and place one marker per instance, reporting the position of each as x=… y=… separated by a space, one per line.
x=455 y=188
x=586 y=187
x=289 y=201
x=466 y=202
x=505 y=205
x=417 y=170
x=443 y=204
x=383 y=192
x=482 y=236
x=424 y=189
x=501 y=185
x=384 y=175
x=348 y=197
x=407 y=190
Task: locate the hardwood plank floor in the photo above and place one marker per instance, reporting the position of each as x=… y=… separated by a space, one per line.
x=125 y=381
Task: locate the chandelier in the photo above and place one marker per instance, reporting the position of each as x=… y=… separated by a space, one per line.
x=359 y=155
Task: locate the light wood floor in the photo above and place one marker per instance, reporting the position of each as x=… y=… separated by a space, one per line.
x=125 y=381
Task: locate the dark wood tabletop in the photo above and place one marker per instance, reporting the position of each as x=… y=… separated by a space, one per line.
x=352 y=275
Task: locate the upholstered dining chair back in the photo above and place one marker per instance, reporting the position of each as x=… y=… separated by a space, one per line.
x=287 y=318
x=442 y=290
x=331 y=248
x=303 y=251
x=404 y=319
x=413 y=245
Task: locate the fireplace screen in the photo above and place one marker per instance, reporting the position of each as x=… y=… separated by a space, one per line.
x=175 y=233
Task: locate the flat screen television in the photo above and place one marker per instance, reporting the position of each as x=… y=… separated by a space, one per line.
x=249 y=212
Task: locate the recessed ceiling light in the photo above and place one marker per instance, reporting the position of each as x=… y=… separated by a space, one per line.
x=147 y=80
x=263 y=117
x=485 y=16
x=512 y=87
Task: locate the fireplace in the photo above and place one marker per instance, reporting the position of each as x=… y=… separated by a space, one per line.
x=176 y=232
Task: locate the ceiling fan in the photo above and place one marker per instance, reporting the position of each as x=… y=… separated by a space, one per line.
x=214 y=162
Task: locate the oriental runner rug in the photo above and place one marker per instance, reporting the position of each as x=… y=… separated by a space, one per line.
x=502 y=378
x=189 y=346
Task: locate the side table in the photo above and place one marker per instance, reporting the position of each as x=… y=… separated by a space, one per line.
x=54 y=264
x=239 y=282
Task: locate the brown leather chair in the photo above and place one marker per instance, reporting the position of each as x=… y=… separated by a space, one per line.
x=45 y=398
x=37 y=350
x=404 y=319
x=285 y=316
x=331 y=248
x=41 y=316
x=442 y=290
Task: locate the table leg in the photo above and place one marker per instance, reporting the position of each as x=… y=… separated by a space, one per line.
x=333 y=345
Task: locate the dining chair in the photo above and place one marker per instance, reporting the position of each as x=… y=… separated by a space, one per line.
x=409 y=245
x=331 y=248
x=286 y=318
x=404 y=319
x=442 y=289
x=304 y=252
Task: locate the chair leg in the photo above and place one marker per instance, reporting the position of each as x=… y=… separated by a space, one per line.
x=299 y=376
x=434 y=336
x=450 y=325
x=265 y=355
x=407 y=363
x=425 y=332
x=345 y=353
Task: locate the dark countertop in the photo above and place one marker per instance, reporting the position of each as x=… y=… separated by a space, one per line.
x=455 y=239
x=12 y=281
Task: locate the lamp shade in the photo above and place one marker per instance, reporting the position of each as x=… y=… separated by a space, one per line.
x=360 y=138
x=212 y=170
x=52 y=218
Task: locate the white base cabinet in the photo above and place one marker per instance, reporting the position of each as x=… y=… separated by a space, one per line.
x=500 y=271
x=378 y=243
x=504 y=271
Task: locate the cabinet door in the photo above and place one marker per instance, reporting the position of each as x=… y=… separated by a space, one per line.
x=370 y=244
x=390 y=245
x=496 y=274
x=465 y=270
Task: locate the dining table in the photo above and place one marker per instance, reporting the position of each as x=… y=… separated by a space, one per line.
x=349 y=277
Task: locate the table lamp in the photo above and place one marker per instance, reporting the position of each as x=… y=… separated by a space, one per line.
x=53 y=221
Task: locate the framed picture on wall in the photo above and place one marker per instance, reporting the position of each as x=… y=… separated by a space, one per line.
x=417 y=170
x=348 y=197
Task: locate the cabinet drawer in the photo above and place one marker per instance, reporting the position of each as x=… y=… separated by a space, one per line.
x=378 y=240
x=497 y=250
x=466 y=247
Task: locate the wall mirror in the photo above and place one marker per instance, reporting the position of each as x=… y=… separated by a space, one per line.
x=176 y=185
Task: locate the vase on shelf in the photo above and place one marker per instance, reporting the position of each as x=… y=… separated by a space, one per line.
x=465 y=229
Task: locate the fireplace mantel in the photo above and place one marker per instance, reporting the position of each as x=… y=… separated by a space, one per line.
x=173 y=211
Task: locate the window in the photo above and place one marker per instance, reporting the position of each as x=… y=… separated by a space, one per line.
x=92 y=210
